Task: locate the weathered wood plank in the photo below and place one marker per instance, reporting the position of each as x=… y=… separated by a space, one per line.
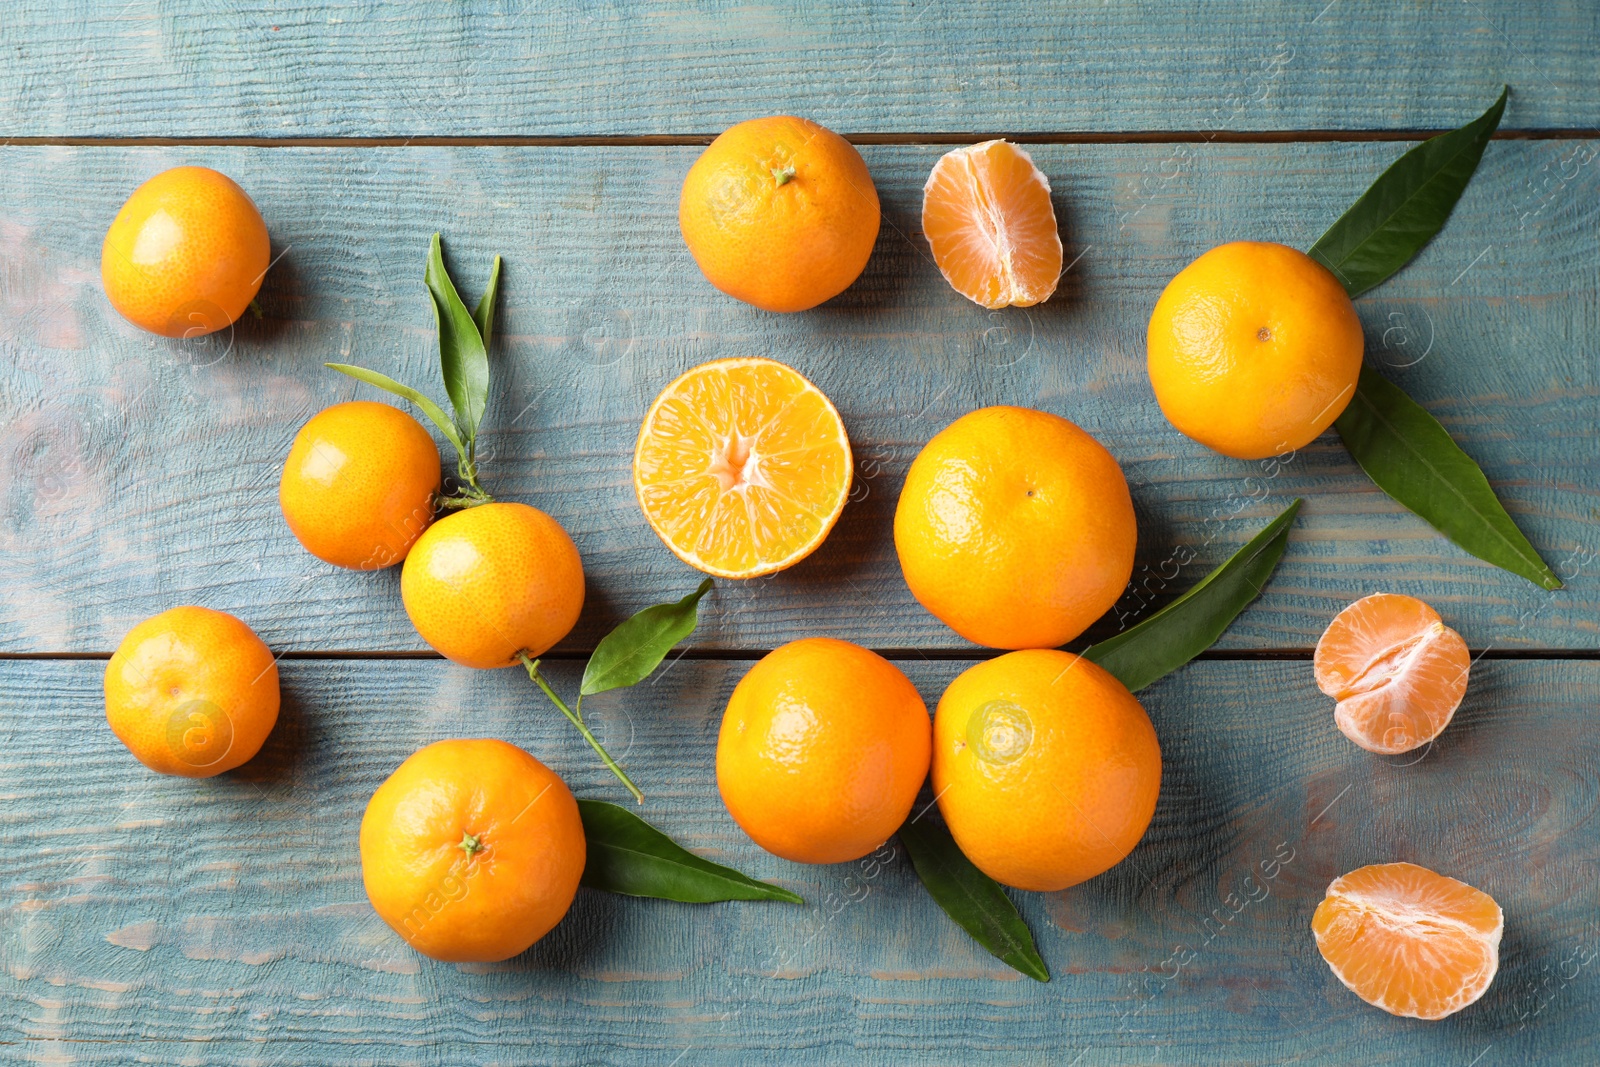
x=223 y=921
x=137 y=473
x=164 y=68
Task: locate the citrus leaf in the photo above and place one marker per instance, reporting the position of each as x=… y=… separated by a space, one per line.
x=627 y=855
x=1191 y=624
x=1406 y=206
x=463 y=359
x=484 y=315
x=973 y=899
x=1413 y=459
x=629 y=653
x=434 y=412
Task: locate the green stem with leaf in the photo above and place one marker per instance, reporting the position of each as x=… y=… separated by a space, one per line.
x=624 y=657
x=463 y=363
x=1402 y=447
x=631 y=651
x=577 y=720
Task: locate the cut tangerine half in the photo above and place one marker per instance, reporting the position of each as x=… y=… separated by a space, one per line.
x=1409 y=941
x=986 y=212
x=742 y=467
x=1397 y=671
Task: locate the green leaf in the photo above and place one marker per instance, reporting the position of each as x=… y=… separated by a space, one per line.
x=463 y=359
x=1413 y=459
x=627 y=855
x=973 y=899
x=1406 y=206
x=1191 y=624
x=484 y=315
x=629 y=653
x=434 y=412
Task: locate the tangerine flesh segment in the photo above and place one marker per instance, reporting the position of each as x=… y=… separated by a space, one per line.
x=1409 y=941
x=1397 y=671
x=987 y=215
x=742 y=467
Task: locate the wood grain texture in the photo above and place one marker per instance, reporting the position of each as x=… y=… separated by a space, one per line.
x=165 y=68
x=223 y=921
x=138 y=473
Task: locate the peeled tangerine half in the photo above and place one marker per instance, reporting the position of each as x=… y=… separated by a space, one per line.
x=742 y=467
x=1409 y=941
x=986 y=212
x=1397 y=671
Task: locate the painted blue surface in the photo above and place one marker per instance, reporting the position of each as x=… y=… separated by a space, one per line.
x=140 y=471
x=223 y=921
x=321 y=68
x=156 y=920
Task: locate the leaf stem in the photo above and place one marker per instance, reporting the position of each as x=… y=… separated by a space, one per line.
x=532 y=666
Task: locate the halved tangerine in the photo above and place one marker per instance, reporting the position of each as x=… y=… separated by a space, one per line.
x=742 y=467
x=1409 y=941
x=987 y=215
x=1397 y=671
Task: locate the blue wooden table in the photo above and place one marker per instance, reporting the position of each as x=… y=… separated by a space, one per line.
x=157 y=920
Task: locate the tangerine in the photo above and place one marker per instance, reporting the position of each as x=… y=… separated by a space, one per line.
x=192 y=692
x=492 y=583
x=1397 y=671
x=742 y=467
x=1254 y=349
x=987 y=215
x=358 y=487
x=1409 y=941
x=186 y=254
x=1046 y=768
x=823 y=747
x=1015 y=528
x=780 y=212
x=472 y=850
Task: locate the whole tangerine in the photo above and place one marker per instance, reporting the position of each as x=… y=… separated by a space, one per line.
x=192 y=692
x=186 y=254
x=823 y=747
x=780 y=212
x=358 y=487
x=1046 y=768
x=1254 y=349
x=472 y=850
x=1015 y=528
x=489 y=584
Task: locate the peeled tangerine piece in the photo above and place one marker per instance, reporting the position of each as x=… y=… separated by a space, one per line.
x=987 y=215
x=1409 y=941
x=1397 y=671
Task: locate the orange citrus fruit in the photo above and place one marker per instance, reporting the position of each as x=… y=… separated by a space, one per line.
x=987 y=215
x=1015 y=528
x=742 y=467
x=1397 y=671
x=1046 y=768
x=358 y=486
x=192 y=692
x=823 y=748
x=1254 y=349
x=186 y=254
x=779 y=212
x=488 y=583
x=1409 y=941
x=472 y=850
